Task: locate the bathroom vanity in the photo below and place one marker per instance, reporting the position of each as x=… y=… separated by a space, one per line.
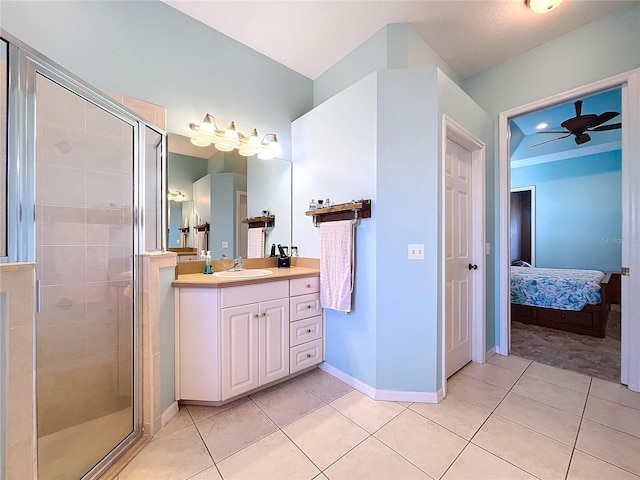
x=239 y=335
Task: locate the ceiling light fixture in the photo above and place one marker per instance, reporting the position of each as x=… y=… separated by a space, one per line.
x=542 y=6
x=207 y=132
x=542 y=126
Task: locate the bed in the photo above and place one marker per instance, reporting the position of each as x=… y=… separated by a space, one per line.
x=565 y=299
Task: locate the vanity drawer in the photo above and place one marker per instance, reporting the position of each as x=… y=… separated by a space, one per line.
x=305 y=355
x=305 y=330
x=302 y=286
x=305 y=306
x=260 y=292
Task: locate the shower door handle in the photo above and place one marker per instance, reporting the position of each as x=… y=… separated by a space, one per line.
x=38 y=293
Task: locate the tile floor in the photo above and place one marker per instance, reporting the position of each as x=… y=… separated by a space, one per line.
x=509 y=418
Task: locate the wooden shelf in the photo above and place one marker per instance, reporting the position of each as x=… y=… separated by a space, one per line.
x=203 y=227
x=341 y=211
x=260 y=222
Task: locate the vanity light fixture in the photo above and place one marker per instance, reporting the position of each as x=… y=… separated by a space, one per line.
x=176 y=196
x=542 y=6
x=207 y=132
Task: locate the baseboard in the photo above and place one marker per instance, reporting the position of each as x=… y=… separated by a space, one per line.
x=389 y=395
x=169 y=413
x=490 y=353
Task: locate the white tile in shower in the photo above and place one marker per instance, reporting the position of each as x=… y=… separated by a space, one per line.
x=63 y=304
x=102 y=123
x=60 y=146
x=62 y=225
x=106 y=154
x=60 y=186
x=105 y=190
x=58 y=106
x=63 y=265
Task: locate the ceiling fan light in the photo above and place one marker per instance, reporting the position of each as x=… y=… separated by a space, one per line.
x=542 y=126
x=542 y=6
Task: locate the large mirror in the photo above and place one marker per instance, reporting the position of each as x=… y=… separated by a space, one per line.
x=220 y=189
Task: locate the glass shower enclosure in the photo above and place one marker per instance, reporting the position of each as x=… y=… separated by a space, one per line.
x=78 y=163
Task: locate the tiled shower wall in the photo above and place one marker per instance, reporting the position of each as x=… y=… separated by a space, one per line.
x=84 y=246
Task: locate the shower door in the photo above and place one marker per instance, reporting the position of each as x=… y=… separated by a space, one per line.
x=85 y=250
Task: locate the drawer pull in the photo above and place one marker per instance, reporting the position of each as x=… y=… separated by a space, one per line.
x=308 y=355
x=255 y=315
x=308 y=306
x=308 y=330
x=264 y=314
x=308 y=285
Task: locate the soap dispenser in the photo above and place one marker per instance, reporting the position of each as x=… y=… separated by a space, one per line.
x=208 y=268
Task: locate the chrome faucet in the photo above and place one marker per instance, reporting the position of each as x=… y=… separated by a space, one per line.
x=238 y=265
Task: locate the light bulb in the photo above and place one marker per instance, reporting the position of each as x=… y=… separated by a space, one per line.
x=543 y=6
x=207 y=124
x=200 y=142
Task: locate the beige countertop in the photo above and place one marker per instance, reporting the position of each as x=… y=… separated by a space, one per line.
x=200 y=280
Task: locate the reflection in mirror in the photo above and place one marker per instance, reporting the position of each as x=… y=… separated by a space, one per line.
x=221 y=189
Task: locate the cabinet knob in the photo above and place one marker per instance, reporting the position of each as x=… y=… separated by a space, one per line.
x=264 y=314
x=308 y=285
x=255 y=315
x=308 y=355
x=308 y=330
x=308 y=306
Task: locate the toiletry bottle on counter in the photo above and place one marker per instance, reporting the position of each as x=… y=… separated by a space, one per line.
x=208 y=268
x=312 y=204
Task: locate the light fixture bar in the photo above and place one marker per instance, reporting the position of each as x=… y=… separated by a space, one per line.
x=207 y=133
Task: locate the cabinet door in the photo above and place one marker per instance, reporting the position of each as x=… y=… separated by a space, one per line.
x=239 y=346
x=274 y=340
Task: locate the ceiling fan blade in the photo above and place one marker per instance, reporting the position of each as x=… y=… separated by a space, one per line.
x=578 y=106
x=601 y=128
x=552 y=140
x=604 y=117
x=553 y=131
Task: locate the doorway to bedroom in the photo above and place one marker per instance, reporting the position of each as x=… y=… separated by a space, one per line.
x=565 y=220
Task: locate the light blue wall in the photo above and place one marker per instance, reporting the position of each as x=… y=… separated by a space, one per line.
x=182 y=171
x=578 y=211
x=553 y=68
x=150 y=51
x=167 y=337
x=393 y=46
x=407 y=212
x=598 y=50
x=342 y=170
x=391 y=340
x=269 y=188
x=457 y=105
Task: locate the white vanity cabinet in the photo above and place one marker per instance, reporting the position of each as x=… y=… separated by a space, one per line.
x=236 y=339
x=306 y=323
x=254 y=336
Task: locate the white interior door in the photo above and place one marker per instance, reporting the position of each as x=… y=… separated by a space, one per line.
x=459 y=262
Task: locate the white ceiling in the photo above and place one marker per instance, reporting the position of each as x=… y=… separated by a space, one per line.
x=310 y=36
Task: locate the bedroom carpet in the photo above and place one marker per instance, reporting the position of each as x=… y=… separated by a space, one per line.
x=596 y=357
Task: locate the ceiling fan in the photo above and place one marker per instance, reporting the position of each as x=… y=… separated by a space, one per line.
x=580 y=124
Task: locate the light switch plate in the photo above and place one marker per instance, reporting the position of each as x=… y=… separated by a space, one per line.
x=416 y=251
x=225 y=244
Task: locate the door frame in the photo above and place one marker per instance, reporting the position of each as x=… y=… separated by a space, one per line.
x=532 y=189
x=629 y=82
x=453 y=130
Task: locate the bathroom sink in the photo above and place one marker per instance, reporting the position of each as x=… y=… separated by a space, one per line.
x=251 y=273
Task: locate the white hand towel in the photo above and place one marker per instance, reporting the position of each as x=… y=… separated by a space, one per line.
x=336 y=265
x=201 y=237
x=255 y=243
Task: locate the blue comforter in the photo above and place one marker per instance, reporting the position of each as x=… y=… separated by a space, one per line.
x=564 y=289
